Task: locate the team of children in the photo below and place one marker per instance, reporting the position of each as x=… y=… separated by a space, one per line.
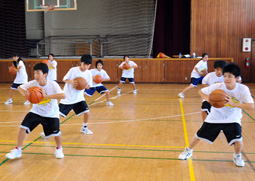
x=215 y=120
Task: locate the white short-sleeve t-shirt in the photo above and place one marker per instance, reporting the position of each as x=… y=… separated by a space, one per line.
x=212 y=78
x=102 y=73
x=52 y=74
x=21 y=76
x=73 y=95
x=130 y=72
x=201 y=65
x=47 y=107
x=227 y=114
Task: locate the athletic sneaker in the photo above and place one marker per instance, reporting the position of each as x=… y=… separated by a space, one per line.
x=109 y=103
x=43 y=135
x=26 y=102
x=59 y=153
x=9 y=101
x=119 y=91
x=181 y=95
x=238 y=160
x=134 y=91
x=86 y=130
x=15 y=153
x=186 y=154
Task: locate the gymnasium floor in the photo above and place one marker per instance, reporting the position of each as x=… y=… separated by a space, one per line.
x=139 y=138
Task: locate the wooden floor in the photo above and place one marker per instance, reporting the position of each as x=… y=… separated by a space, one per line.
x=139 y=138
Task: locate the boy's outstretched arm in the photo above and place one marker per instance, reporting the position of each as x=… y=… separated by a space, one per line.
x=203 y=95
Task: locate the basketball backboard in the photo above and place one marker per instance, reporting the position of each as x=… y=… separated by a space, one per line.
x=50 y=5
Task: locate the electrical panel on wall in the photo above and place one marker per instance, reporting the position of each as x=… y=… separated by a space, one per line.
x=246 y=44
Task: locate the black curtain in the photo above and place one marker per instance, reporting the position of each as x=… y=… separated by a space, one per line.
x=12 y=28
x=172 y=27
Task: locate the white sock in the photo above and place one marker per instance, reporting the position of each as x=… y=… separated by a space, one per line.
x=84 y=124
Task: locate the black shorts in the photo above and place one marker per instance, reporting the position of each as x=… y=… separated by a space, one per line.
x=79 y=108
x=15 y=86
x=100 y=89
x=50 y=125
x=206 y=106
x=131 y=80
x=209 y=132
x=195 y=81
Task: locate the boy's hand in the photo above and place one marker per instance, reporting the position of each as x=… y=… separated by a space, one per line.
x=230 y=101
x=43 y=92
x=74 y=83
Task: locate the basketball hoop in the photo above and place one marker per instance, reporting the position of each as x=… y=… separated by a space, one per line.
x=47 y=8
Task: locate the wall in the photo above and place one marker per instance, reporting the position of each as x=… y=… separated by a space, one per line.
x=218 y=26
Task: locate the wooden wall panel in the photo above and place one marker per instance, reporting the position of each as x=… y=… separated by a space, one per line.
x=218 y=26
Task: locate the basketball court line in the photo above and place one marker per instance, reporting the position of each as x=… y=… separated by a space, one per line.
x=191 y=169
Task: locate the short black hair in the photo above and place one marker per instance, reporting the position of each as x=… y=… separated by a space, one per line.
x=219 y=64
x=233 y=69
x=204 y=54
x=125 y=56
x=51 y=55
x=41 y=66
x=87 y=59
x=99 y=61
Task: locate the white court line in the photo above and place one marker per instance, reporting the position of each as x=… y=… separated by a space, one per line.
x=132 y=120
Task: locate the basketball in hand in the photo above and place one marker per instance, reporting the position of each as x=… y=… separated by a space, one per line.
x=12 y=70
x=217 y=98
x=45 y=61
x=204 y=72
x=98 y=79
x=82 y=83
x=126 y=66
x=34 y=95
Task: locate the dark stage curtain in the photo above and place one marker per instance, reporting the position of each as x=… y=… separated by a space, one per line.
x=12 y=28
x=172 y=27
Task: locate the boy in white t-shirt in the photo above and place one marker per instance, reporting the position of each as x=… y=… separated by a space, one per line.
x=45 y=113
x=75 y=98
x=196 y=74
x=21 y=78
x=210 y=79
x=127 y=74
x=100 y=88
x=227 y=118
x=52 y=64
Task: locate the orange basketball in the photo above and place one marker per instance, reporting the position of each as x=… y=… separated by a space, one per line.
x=204 y=72
x=162 y=55
x=217 y=98
x=45 y=61
x=82 y=83
x=98 y=79
x=34 y=95
x=126 y=66
x=12 y=69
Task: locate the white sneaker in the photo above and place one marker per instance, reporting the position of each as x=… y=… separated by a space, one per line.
x=9 y=101
x=26 y=102
x=238 y=160
x=119 y=91
x=86 y=130
x=186 y=154
x=109 y=103
x=181 y=95
x=43 y=135
x=134 y=91
x=15 y=153
x=59 y=153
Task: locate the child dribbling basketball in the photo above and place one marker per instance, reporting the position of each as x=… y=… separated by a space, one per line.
x=99 y=87
x=75 y=98
x=196 y=74
x=45 y=113
x=210 y=79
x=21 y=78
x=127 y=74
x=227 y=118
